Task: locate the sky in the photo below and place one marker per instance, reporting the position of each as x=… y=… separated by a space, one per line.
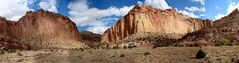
x=98 y=15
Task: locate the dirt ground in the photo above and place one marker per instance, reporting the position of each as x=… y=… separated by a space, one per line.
x=226 y=54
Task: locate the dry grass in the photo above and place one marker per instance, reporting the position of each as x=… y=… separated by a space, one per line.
x=136 y=55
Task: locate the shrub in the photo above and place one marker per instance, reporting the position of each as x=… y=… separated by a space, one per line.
x=10 y=50
x=146 y=53
x=233 y=60
x=131 y=46
x=200 y=54
x=115 y=47
x=157 y=44
x=19 y=54
x=122 y=55
x=222 y=42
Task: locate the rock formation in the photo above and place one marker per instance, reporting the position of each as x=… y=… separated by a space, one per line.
x=42 y=29
x=90 y=38
x=229 y=21
x=225 y=29
x=145 y=19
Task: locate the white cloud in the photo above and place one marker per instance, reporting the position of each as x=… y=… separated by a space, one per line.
x=200 y=1
x=160 y=4
x=49 y=5
x=83 y=15
x=219 y=16
x=194 y=9
x=191 y=14
x=97 y=29
x=97 y=19
x=13 y=9
x=231 y=7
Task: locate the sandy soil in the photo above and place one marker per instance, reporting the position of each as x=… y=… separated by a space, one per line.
x=225 y=54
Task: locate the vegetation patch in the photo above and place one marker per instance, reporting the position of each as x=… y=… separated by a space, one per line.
x=200 y=54
x=146 y=53
x=122 y=55
x=222 y=42
x=19 y=54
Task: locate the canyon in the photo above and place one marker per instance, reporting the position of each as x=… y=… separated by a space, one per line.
x=142 y=26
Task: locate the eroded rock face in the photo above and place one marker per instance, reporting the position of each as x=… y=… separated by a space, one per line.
x=145 y=19
x=43 y=29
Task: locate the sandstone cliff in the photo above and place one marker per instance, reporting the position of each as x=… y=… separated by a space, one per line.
x=145 y=19
x=43 y=29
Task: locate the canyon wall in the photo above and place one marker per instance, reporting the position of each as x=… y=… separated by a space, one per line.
x=42 y=29
x=142 y=19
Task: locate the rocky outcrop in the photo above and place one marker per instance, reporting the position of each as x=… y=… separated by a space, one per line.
x=229 y=21
x=224 y=30
x=43 y=29
x=145 y=19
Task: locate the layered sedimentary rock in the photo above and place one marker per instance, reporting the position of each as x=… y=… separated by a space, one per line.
x=224 y=30
x=145 y=19
x=42 y=29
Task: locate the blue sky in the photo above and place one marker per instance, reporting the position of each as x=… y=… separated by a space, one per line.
x=98 y=15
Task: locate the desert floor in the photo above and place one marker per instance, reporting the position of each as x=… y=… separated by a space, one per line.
x=226 y=54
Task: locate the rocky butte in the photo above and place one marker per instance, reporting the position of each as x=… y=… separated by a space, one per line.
x=148 y=22
x=42 y=29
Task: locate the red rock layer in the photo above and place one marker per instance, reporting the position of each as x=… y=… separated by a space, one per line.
x=42 y=29
x=147 y=19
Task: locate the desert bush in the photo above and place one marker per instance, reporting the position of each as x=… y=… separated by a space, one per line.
x=122 y=55
x=94 y=46
x=132 y=46
x=164 y=42
x=115 y=47
x=200 y=54
x=233 y=60
x=222 y=42
x=146 y=53
x=19 y=54
x=1 y=52
x=10 y=50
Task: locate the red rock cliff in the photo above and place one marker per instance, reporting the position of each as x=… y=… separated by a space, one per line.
x=43 y=29
x=147 y=19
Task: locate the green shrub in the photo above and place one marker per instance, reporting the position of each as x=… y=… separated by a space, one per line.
x=200 y=54
x=222 y=42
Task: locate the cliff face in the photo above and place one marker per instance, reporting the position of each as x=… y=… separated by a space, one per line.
x=145 y=19
x=42 y=29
